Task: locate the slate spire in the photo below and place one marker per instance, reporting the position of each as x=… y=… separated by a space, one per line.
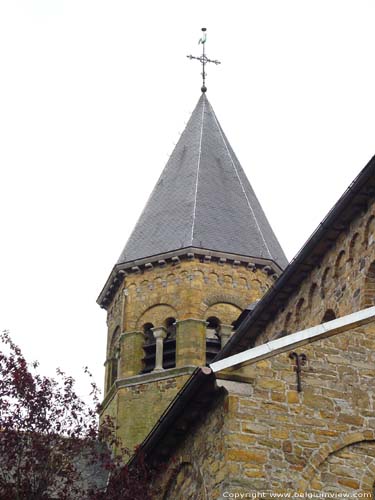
x=203 y=199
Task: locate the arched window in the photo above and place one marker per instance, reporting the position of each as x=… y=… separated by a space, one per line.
x=329 y=315
x=170 y=325
x=147 y=330
x=169 y=344
x=149 y=348
x=112 y=363
x=114 y=370
x=313 y=292
x=369 y=288
x=213 y=327
x=299 y=307
x=286 y=328
x=354 y=246
x=325 y=282
x=370 y=231
x=213 y=343
x=340 y=264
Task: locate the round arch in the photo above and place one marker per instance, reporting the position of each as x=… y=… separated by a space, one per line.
x=321 y=455
x=368 y=296
x=156 y=314
x=216 y=298
x=225 y=312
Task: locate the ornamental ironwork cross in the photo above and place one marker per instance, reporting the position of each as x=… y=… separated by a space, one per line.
x=203 y=59
x=300 y=360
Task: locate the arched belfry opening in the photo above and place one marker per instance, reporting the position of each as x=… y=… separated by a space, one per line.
x=213 y=343
x=191 y=264
x=112 y=369
x=169 y=344
x=149 y=348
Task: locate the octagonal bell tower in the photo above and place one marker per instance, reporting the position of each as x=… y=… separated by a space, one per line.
x=200 y=253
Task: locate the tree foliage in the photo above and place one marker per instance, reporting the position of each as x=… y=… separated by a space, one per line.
x=51 y=446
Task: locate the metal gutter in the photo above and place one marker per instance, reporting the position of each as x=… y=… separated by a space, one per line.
x=297 y=339
x=181 y=404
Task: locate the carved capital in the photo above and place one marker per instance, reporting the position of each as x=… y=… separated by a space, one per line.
x=159 y=332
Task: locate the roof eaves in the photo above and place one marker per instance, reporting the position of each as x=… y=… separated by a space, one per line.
x=114 y=279
x=249 y=322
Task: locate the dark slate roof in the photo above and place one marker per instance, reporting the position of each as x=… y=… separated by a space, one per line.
x=203 y=199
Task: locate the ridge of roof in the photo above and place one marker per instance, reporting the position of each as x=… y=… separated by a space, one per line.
x=204 y=99
x=228 y=148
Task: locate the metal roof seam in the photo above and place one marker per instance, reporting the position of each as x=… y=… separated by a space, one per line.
x=198 y=167
x=241 y=184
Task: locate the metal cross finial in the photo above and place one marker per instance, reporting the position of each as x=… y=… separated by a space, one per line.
x=203 y=59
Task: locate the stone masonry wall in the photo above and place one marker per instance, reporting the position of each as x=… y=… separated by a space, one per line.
x=340 y=282
x=198 y=468
x=189 y=288
x=282 y=440
x=194 y=288
x=140 y=405
x=275 y=439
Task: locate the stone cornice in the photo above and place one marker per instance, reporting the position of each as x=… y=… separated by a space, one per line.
x=175 y=257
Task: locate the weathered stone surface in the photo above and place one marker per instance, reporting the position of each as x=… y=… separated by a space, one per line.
x=267 y=383
x=258 y=457
x=190 y=291
x=314 y=441
x=325 y=288
x=271 y=438
x=292 y=397
x=351 y=483
x=254 y=428
x=279 y=434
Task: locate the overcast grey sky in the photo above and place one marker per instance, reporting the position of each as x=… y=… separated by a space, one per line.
x=93 y=97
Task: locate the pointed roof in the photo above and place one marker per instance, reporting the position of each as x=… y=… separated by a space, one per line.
x=204 y=200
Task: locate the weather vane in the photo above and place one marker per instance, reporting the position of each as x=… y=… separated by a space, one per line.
x=203 y=59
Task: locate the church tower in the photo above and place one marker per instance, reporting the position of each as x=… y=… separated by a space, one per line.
x=200 y=253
